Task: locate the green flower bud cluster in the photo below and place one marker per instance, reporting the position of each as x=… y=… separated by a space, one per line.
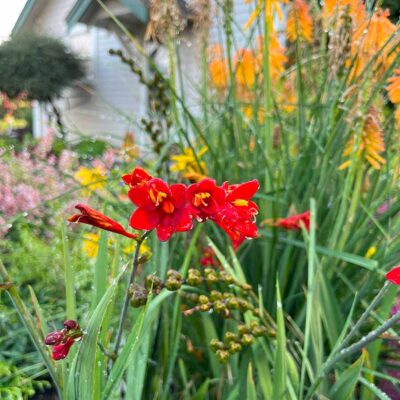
x=235 y=342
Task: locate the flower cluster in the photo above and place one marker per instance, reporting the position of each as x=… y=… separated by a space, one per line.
x=172 y=208
x=63 y=339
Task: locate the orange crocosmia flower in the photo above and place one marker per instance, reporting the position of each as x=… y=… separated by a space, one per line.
x=299 y=22
x=393 y=88
x=287 y=99
x=277 y=56
x=218 y=67
x=246 y=68
x=377 y=35
x=371 y=144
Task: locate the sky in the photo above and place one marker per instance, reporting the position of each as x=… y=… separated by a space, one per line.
x=9 y=11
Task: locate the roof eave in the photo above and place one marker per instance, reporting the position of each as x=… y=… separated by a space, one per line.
x=23 y=16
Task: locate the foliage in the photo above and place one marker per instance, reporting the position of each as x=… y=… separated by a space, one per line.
x=39 y=66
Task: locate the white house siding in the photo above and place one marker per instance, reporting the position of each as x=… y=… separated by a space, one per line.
x=110 y=100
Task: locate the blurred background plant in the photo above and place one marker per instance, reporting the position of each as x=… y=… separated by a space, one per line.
x=311 y=111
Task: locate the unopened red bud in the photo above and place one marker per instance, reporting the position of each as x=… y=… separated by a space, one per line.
x=70 y=324
x=54 y=338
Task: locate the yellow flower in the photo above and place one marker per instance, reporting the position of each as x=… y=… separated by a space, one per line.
x=248 y=112
x=393 y=88
x=91 y=179
x=299 y=22
x=186 y=164
x=90 y=244
x=370 y=37
x=371 y=144
x=129 y=148
x=144 y=249
x=370 y=252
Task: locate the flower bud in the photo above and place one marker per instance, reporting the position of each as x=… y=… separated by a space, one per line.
x=203 y=299
x=231 y=337
x=259 y=330
x=234 y=347
x=174 y=274
x=219 y=307
x=242 y=328
x=227 y=278
x=211 y=278
x=222 y=355
x=244 y=305
x=153 y=282
x=173 y=284
x=247 y=339
x=209 y=271
x=194 y=272
x=232 y=303
x=144 y=258
x=204 y=307
x=216 y=344
x=138 y=295
x=54 y=338
x=215 y=295
x=71 y=324
x=194 y=279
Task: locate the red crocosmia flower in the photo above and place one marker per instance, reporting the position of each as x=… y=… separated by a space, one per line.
x=138 y=177
x=60 y=351
x=394 y=275
x=294 y=222
x=237 y=216
x=205 y=199
x=95 y=218
x=239 y=197
x=162 y=207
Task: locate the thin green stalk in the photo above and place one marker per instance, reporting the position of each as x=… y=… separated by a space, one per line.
x=126 y=301
x=365 y=314
x=310 y=294
x=351 y=350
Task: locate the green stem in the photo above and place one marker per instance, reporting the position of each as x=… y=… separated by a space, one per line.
x=363 y=342
x=126 y=301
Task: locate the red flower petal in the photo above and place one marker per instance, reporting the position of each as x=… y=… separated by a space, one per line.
x=394 y=275
x=95 y=218
x=61 y=351
x=244 y=190
x=138 y=177
x=178 y=192
x=145 y=219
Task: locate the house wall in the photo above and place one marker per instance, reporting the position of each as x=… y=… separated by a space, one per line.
x=110 y=101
